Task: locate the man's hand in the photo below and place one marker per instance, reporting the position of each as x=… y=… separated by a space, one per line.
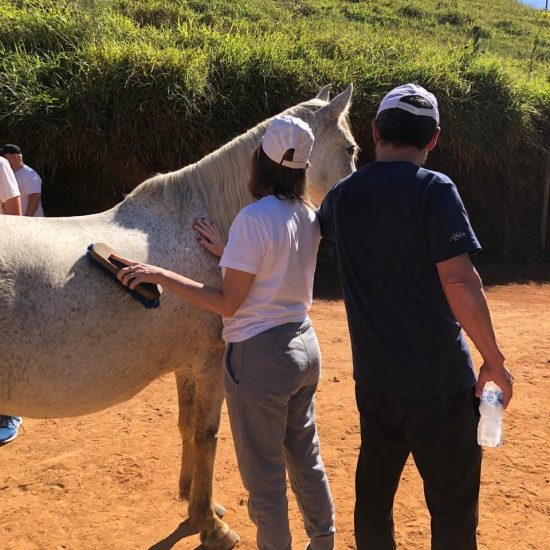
x=501 y=376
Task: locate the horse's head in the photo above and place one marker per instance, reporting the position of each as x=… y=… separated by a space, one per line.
x=220 y=179
x=334 y=150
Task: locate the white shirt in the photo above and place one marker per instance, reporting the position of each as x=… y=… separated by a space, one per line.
x=277 y=240
x=8 y=183
x=29 y=182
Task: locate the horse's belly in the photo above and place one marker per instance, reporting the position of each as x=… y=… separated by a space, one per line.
x=83 y=365
x=79 y=383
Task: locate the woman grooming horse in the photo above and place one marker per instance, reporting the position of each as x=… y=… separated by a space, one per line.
x=272 y=361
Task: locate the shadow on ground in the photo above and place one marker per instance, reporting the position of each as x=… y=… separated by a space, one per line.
x=183 y=531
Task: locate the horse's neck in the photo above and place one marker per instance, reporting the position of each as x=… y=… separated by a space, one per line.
x=221 y=178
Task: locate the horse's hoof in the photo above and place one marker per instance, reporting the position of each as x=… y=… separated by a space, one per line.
x=219 y=510
x=221 y=539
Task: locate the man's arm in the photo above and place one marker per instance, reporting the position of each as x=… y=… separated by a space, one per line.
x=34 y=201
x=464 y=291
x=12 y=206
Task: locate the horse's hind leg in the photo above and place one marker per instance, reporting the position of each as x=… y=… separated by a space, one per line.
x=214 y=533
x=186 y=423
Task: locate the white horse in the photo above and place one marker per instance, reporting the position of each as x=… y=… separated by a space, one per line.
x=69 y=337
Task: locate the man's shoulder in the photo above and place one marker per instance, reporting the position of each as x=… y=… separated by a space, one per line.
x=432 y=177
x=28 y=173
x=29 y=170
x=360 y=175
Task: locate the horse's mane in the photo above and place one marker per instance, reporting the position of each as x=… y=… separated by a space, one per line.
x=220 y=178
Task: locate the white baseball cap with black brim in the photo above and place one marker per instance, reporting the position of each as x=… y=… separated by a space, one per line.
x=393 y=100
x=287 y=132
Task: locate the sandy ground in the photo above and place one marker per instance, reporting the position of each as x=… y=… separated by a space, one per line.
x=109 y=480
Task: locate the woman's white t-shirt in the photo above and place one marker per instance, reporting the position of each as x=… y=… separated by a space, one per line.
x=276 y=240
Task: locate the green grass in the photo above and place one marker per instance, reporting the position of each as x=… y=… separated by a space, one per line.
x=165 y=82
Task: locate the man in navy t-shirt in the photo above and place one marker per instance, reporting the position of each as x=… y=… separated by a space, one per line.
x=403 y=241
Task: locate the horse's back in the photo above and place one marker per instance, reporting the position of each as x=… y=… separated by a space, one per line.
x=44 y=258
x=67 y=329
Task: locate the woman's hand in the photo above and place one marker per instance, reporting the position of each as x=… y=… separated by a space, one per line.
x=137 y=273
x=209 y=236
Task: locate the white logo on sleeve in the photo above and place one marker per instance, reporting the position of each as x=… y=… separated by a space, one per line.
x=457 y=236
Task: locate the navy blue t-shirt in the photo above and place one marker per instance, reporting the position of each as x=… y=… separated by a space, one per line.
x=392 y=222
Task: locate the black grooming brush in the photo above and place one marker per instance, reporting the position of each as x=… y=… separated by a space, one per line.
x=101 y=255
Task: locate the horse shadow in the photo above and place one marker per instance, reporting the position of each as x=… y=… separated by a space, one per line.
x=182 y=531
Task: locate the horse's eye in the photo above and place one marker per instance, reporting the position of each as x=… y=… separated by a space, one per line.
x=351 y=149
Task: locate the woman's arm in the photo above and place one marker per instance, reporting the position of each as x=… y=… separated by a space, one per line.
x=225 y=300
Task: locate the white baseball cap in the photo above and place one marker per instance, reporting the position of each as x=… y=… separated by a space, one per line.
x=287 y=132
x=392 y=100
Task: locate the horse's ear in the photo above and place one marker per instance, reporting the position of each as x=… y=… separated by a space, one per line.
x=324 y=93
x=339 y=105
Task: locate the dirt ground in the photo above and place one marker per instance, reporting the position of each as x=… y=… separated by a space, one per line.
x=109 y=480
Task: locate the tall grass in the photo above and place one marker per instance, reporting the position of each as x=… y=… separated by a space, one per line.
x=160 y=83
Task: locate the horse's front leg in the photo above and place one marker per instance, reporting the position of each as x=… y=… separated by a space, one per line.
x=214 y=533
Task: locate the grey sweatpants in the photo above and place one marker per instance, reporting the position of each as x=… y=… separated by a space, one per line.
x=270 y=382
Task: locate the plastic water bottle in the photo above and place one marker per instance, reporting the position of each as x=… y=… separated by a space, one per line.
x=489 y=430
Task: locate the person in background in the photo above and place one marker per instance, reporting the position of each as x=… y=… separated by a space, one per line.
x=10 y=204
x=404 y=241
x=30 y=183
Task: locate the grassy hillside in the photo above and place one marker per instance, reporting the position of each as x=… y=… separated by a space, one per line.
x=105 y=92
